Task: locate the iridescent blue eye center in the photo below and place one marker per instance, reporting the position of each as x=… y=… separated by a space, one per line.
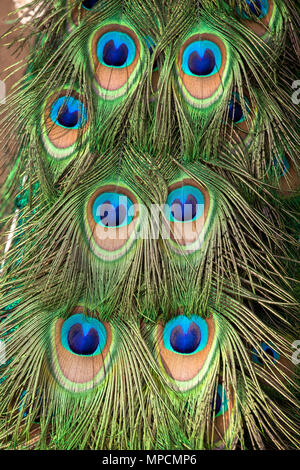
x=184 y=335
x=286 y=166
x=115 y=55
x=82 y=335
x=116 y=49
x=218 y=403
x=68 y=112
x=202 y=65
x=67 y=118
x=268 y=350
x=23 y=406
x=283 y=166
x=184 y=210
x=155 y=65
x=185 y=204
x=89 y=4
x=235 y=112
x=255 y=6
x=112 y=216
x=113 y=210
x=258 y=8
x=80 y=343
x=201 y=58
x=151 y=46
x=270 y=353
x=188 y=342
x=235 y=109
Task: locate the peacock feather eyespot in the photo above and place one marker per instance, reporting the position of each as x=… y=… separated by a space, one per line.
x=151 y=47
x=223 y=416
x=238 y=112
x=186 y=212
x=241 y=115
x=111 y=221
x=184 y=347
x=24 y=406
x=285 y=174
x=116 y=49
x=281 y=165
x=84 y=336
x=68 y=112
x=185 y=204
x=235 y=112
x=258 y=8
x=257 y=355
x=82 y=349
x=185 y=336
x=220 y=402
x=155 y=71
x=203 y=68
x=274 y=361
x=115 y=52
x=113 y=210
x=78 y=11
x=64 y=122
x=259 y=15
x=201 y=59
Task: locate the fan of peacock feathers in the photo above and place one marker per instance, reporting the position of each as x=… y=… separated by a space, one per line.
x=150 y=228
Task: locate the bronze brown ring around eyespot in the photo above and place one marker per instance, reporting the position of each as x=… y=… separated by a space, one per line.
x=184 y=367
x=202 y=87
x=110 y=78
x=188 y=232
x=111 y=238
x=62 y=137
x=260 y=27
x=80 y=369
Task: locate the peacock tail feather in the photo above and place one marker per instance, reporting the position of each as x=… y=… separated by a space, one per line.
x=150 y=227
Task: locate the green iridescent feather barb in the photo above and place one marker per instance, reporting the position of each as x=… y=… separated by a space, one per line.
x=149 y=286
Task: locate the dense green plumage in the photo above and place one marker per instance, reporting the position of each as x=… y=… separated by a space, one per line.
x=144 y=139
